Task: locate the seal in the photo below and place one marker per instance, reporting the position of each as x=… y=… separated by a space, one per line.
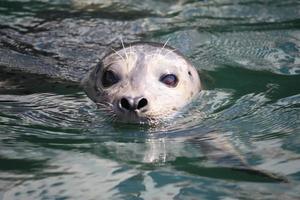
x=142 y=82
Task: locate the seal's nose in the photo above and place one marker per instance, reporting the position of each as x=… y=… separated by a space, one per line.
x=132 y=104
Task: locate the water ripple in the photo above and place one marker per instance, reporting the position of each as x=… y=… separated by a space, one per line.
x=242 y=128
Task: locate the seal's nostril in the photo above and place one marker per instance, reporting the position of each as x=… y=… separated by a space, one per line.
x=125 y=104
x=133 y=104
x=142 y=103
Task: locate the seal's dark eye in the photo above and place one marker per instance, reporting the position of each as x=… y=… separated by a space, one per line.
x=169 y=79
x=109 y=78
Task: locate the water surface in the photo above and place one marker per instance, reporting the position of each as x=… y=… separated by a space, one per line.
x=238 y=140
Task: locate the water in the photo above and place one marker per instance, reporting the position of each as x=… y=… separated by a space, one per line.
x=238 y=140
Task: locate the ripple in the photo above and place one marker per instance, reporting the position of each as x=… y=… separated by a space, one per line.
x=227 y=144
x=44 y=108
x=275 y=50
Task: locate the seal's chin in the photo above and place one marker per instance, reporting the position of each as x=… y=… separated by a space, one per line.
x=142 y=118
x=133 y=117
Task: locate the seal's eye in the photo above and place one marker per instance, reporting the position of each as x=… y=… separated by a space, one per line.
x=109 y=78
x=169 y=79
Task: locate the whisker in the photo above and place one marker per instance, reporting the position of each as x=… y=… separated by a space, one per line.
x=119 y=54
x=165 y=43
x=109 y=114
x=105 y=105
x=164 y=46
x=124 y=47
x=112 y=117
x=130 y=49
x=170 y=51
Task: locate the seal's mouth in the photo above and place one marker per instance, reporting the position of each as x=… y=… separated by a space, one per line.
x=133 y=117
x=115 y=114
x=136 y=117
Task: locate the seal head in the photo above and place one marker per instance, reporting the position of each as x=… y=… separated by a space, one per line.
x=143 y=82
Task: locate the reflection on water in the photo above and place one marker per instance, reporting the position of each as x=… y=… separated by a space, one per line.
x=238 y=140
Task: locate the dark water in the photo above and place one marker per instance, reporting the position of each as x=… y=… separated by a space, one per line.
x=239 y=139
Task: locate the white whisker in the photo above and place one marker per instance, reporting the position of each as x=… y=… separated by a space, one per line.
x=124 y=47
x=170 y=51
x=163 y=46
x=119 y=55
x=165 y=43
x=130 y=49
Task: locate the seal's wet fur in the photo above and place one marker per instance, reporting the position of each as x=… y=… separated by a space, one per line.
x=139 y=95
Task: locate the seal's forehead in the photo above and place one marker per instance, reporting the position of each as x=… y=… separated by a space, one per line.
x=162 y=56
x=143 y=56
x=150 y=50
x=146 y=51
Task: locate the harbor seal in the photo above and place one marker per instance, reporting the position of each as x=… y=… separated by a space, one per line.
x=142 y=82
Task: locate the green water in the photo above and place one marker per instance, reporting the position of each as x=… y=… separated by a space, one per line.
x=238 y=140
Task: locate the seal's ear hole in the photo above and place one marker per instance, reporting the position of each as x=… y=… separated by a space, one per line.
x=170 y=80
x=190 y=73
x=109 y=78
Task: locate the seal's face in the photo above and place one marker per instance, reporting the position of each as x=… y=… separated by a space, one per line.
x=143 y=82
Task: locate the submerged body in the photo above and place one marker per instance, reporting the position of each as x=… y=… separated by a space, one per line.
x=143 y=82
